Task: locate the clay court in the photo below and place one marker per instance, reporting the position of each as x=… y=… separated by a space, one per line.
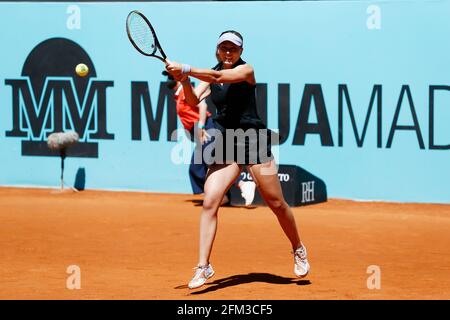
x=144 y=246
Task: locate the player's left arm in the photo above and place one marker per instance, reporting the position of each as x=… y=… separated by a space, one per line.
x=240 y=73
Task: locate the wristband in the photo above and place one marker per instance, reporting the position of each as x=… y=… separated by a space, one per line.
x=201 y=126
x=185 y=68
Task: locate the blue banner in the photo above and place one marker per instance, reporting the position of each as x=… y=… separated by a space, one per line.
x=359 y=91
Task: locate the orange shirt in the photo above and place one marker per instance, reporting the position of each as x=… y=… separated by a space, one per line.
x=188 y=115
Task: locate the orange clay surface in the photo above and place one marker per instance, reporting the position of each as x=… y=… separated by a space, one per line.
x=144 y=246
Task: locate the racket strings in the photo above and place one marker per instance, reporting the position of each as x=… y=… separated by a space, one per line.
x=141 y=34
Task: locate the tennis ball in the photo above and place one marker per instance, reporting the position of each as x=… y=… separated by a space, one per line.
x=81 y=69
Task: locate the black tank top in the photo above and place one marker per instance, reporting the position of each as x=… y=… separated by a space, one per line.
x=235 y=103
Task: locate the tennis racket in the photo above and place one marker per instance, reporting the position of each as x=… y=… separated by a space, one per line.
x=143 y=37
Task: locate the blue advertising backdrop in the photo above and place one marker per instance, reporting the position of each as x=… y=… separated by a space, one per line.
x=360 y=90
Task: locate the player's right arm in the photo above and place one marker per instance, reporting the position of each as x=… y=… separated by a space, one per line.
x=194 y=96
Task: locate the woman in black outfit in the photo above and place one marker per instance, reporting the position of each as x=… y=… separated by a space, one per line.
x=231 y=85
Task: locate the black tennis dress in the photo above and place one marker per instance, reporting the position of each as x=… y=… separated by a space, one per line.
x=244 y=139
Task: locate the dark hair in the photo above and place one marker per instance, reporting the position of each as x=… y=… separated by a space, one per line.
x=235 y=33
x=218 y=66
x=171 y=82
x=168 y=75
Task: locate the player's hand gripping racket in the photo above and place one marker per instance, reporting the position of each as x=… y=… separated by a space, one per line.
x=143 y=37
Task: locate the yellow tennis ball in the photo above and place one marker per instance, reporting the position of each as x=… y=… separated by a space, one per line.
x=81 y=69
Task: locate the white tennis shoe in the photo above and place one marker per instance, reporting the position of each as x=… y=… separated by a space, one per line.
x=247 y=191
x=301 y=265
x=202 y=273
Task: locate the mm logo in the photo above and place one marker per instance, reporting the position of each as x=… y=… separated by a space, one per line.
x=49 y=97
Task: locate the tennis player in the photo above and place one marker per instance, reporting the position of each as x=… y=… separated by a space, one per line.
x=231 y=85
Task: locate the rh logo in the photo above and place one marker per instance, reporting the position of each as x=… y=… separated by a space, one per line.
x=308 y=191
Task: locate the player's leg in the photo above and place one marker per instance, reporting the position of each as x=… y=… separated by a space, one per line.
x=266 y=178
x=218 y=181
x=219 y=178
